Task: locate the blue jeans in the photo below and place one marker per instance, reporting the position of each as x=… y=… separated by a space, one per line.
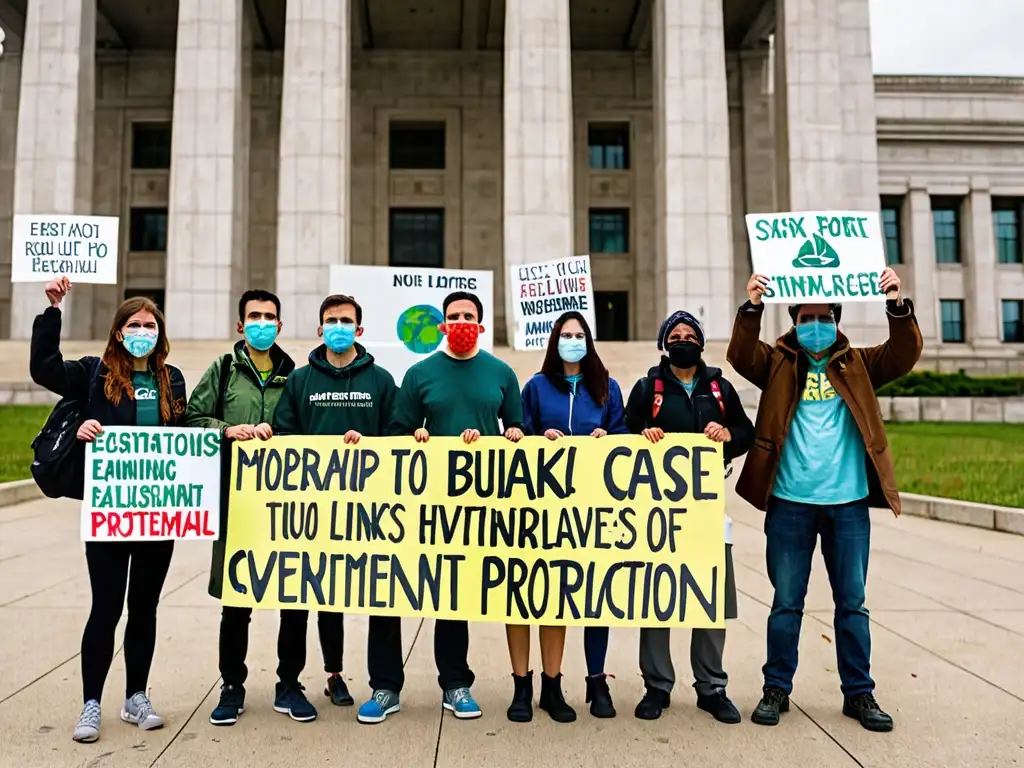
x=792 y=531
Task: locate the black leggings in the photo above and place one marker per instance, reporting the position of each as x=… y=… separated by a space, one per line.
x=141 y=566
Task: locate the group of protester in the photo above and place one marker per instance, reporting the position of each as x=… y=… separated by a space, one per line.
x=815 y=461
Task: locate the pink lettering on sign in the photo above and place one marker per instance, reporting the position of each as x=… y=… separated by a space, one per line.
x=181 y=524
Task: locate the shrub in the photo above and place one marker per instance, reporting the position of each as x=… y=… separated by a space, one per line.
x=929 y=384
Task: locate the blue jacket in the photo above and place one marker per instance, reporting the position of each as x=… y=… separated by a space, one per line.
x=549 y=403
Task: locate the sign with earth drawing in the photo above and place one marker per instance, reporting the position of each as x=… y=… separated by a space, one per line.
x=402 y=309
x=818 y=256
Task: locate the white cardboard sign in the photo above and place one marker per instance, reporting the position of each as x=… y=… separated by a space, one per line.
x=82 y=248
x=542 y=291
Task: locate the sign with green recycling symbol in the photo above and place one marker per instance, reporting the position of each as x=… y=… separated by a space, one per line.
x=818 y=256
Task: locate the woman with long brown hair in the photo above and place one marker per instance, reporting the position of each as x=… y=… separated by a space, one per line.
x=572 y=395
x=131 y=385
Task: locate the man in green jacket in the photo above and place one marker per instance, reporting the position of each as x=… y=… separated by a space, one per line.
x=341 y=392
x=238 y=395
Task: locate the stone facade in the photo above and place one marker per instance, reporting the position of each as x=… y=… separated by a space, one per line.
x=280 y=157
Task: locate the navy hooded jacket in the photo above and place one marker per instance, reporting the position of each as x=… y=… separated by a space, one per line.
x=553 y=403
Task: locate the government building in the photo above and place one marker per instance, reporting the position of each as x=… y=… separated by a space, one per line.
x=254 y=143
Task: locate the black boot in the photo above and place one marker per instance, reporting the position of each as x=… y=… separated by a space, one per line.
x=553 y=701
x=521 y=708
x=652 y=704
x=599 y=697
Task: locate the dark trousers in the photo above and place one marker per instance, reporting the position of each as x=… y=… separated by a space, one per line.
x=139 y=567
x=234 y=645
x=384 y=654
x=792 y=531
x=595 y=649
x=451 y=654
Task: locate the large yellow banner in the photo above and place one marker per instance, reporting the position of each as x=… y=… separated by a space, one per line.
x=581 y=531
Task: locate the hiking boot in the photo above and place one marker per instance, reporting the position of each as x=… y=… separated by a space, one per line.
x=290 y=700
x=376 y=710
x=139 y=711
x=773 y=703
x=719 y=707
x=88 y=728
x=460 y=702
x=599 y=697
x=652 y=704
x=521 y=708
x=865 y=709
x=230 y=708
x=552 y=700
x=337 y=691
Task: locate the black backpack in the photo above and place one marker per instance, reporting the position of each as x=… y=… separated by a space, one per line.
x=58 y=466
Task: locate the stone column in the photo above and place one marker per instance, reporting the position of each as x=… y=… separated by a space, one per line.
x=921 y=250
x=10 y=88
x=209 y=188
x=825 y=121
x=313 y=195
x=538 y=128
x=53 y=165
x=982 y=298
x=691 y=133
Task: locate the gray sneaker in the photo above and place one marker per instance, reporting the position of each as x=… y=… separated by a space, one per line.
x=88 y=728
x=139 y=710
x=377 y=709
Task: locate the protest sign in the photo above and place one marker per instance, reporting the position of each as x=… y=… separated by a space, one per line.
x=818 y=256
x=609 y=532
x=402 y=309
x=152 y=483
x=46 y=247
x=541 y=292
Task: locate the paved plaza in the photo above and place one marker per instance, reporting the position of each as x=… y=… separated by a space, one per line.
x=947 y=608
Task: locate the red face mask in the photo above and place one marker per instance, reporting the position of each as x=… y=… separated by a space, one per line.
x=462 y=337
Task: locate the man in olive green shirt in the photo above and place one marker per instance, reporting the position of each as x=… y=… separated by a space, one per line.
x=459 y=391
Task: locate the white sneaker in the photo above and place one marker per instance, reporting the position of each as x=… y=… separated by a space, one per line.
x=88 y=728
x=139 y=710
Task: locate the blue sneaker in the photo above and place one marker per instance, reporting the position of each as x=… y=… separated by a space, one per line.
x=231 y=705
x=460 y=702
x=377 y=709
x=291 y=701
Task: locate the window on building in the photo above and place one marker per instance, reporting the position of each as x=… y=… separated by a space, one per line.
x=611 y=312
x=609 y=146
x=416 y=237
x=156 y=295
x=1006 y=218
x=609 y=230
x=147 y=229
x=1013 y=321
x=952 y=321
x=892 y=208
x=151 y=145
x=416 y=145
x=946 y=225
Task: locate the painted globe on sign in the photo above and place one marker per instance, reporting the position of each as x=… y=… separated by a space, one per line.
x=417 y=328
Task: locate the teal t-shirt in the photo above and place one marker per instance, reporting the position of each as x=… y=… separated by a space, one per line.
x=823 y=458
x=147 y=399
x=689 y=386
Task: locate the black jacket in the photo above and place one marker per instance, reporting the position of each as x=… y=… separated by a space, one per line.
x=679 y=413
x=73 y=379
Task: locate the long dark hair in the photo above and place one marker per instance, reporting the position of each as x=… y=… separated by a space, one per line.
x=595 y=375
x=120 y=364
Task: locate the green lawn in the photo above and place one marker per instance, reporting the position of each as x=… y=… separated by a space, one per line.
x=18 y=427
x=973 y=462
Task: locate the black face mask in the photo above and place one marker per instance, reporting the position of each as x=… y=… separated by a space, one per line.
x=684 y=354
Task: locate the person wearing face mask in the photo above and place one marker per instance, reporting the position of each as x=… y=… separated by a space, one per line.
x=819 y=461
x=572 y=395
x=131 y=385
x=342 y=391
x=683 y=394
x=238 y=395
x=462 y=391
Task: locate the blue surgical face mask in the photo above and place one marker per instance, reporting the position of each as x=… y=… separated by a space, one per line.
x=140 y=343
x=572 y=350
x=816 y=336
x=339 y=336
x=261 y=334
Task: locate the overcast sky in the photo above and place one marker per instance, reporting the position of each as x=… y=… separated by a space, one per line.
x=948 y=37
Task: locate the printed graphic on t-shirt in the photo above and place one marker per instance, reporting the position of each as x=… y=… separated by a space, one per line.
x=818 y=387
x=145 y=393
x=341 y=399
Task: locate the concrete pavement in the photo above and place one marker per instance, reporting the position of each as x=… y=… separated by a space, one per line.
x=948 y=630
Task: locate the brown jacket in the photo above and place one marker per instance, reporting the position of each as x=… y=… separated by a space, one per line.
x=780 y=371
